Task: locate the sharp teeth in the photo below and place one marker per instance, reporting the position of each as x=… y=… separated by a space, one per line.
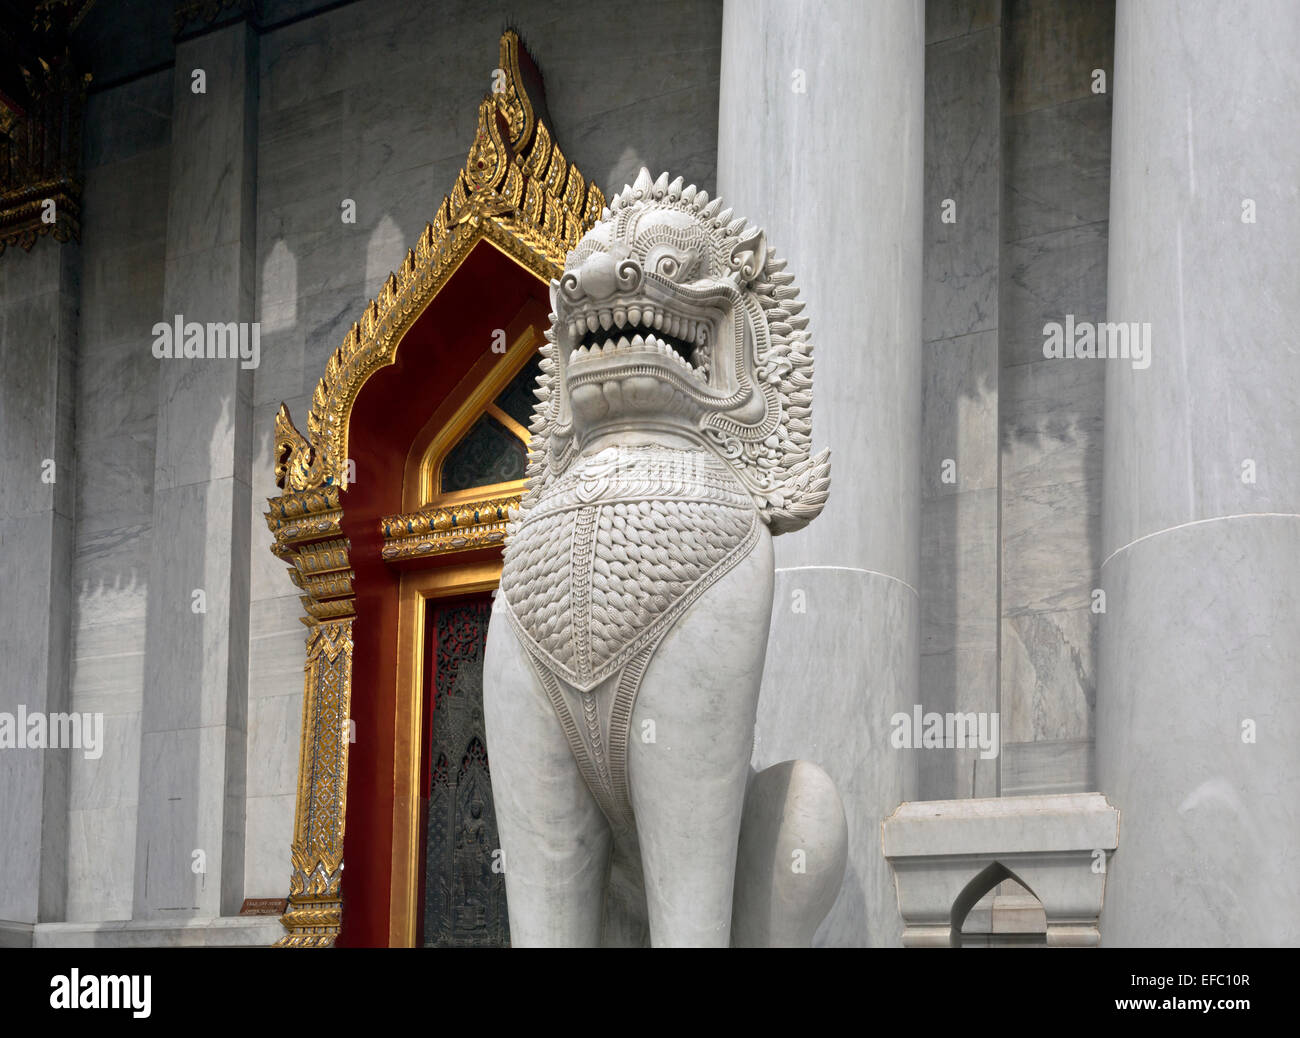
x=638 y=341
x=606 y=320
x=674 y=327
x=592 y=322
x=620 y=317
x=659 y=322
x=623 y=343
x=648 y=317
x=634 y=315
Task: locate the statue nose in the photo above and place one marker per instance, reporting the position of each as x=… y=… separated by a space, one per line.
x=597 y=276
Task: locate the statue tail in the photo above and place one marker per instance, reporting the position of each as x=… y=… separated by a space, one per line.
x=792 y=856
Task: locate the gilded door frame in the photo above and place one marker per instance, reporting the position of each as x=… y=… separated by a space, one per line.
x=518 y=193
x=417 y=588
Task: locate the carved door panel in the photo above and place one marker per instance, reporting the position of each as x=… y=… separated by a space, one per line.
x=464 y=898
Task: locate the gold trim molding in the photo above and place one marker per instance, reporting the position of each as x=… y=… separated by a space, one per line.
x=518 y=193
x=437 y=531
x=40 y=140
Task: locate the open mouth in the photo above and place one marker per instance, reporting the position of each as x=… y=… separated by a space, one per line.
x=684 y=341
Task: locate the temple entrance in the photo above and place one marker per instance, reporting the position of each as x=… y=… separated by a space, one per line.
x=463 y=885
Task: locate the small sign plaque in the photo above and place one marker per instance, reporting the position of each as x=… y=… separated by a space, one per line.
x=263 y=906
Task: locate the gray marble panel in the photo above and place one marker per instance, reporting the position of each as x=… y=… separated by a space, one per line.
x=270 y=833
x=958 y=681
x=1058 y=167
x=197 y=662
x=203 y=413
x=1053 y=48
x=229 y=931
x=1201 y=637
x=959 y=414
x=855 y=649
x=108 y=664
x=28 y=646
x=205 y=203
x=1050 y=547
x=124 y=206
x=298 y=147
x=1048 y=766
x=115 y=492
x=963 y=163
x=118 y=391
x=277 y=647
x=38 y=361
x=280 y=375
x=101 y=862
x=1049 y=677
x=959 y=572
x=274 y=726
x=15 y=935
x=1046 y=277
x=1052 y=423
x=125 y=120
x=947 y=18
x=186 y=790
x=111 y=779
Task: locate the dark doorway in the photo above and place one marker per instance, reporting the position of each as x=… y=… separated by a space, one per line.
x=464 y=897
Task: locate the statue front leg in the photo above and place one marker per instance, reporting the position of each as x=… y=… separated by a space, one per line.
x=689 y=751
x=555 y=838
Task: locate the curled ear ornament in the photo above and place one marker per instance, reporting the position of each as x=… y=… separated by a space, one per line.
x=748 y=255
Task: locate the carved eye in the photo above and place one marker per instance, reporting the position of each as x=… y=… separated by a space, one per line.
x=671 y=263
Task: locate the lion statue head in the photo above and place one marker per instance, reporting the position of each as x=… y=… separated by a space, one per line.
x=673 y=316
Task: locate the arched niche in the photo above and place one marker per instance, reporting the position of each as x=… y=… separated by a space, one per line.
x=374 y=522
x=1024 y=924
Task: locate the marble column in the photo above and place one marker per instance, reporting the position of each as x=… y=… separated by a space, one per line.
x=190 y=830
x=819 y=140
x=38 y=347
x=1197 y=714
